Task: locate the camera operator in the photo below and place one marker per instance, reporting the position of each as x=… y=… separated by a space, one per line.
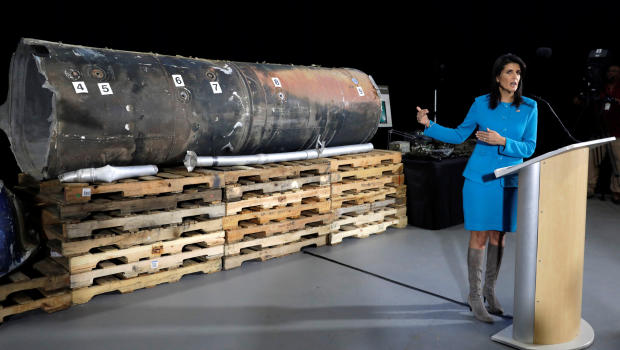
x=610 y=107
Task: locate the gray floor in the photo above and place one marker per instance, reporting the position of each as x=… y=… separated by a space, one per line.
x=304 y=302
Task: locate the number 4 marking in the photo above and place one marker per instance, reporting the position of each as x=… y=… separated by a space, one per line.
x=80 y=87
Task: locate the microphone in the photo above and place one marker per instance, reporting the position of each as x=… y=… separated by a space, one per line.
x=556 y=116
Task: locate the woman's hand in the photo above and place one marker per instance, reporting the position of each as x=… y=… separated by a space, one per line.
x=491 y=137
x=423 y=117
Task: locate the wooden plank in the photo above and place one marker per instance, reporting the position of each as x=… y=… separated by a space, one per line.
x=561 y=241
x=145 y=266
x=402 y=222
x=46 y=275
x=76 y=193
x=374 y=157
x=284 y=238
x=277 y=199
x=136 y=221
x=107 y=202
x=367 y=196
x=378 y=215
x=235 y=191
x=112 y=283
x=89 y=261
x=122 y=239
x=48 y=302
x=267 y=172
x=266 y=215
x=234 y=261
x=362 y=208
x=360 y=185
x=362 y=231
x=236 y=234
x=345 y=172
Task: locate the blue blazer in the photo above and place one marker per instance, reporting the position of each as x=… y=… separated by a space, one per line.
x=517 y=125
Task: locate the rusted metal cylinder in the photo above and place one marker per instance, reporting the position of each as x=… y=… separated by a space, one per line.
x=72 y=107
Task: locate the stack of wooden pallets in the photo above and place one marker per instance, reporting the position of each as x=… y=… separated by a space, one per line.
x=134 y=233
x=274 y=209
x=367 y=194
x=141 y=232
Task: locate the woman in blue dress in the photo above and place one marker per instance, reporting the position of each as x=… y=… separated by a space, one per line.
x=506 y=124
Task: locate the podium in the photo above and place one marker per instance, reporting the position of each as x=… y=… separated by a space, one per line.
x=551 y=220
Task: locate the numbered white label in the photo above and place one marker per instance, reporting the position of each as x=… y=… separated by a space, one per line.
x=105 y=88
x=360 y=91
x=277 y=82
x=607 y=106
x=86 y=192
x=178 y=80
x=215 y=86
x=154 y=264
x=80 y=87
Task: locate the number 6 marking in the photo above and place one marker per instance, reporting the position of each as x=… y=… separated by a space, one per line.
x=80 y=87
x=178 y=80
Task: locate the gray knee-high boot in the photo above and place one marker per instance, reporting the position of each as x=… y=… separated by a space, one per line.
x=494 y=261
x=474 y=265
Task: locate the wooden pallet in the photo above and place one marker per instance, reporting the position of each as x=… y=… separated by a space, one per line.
x=401 y=191
x=133 y=222
x=248 y=254
x=166 y=181
x=132 y=269
x=235 y=191
x=379 y=215
x=44 y=285
x=273 y=227
x=356 y=186
x=263 y=216
x=367 y=159
x=362 y=208
x=113 y=283
x=125 y=205
x=24 y=301
x=402 y=222
x=122 y=239
x=366 y=196
x=284 y=238
x=267 y=201
x=361 y=231
x=46 y=274
x=347 y=172
x=268 y=172
x=89 y=261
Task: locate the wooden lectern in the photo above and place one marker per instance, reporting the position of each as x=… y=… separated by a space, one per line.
x=551 y=222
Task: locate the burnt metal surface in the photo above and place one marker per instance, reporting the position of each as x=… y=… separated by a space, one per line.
x=72 y=107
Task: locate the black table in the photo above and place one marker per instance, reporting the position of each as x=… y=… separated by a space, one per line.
x=434 y=192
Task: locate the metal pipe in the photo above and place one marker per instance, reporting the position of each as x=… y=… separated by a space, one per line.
x=108 y=173
x=192 y=160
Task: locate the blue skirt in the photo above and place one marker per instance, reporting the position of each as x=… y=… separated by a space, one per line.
x=489 y=206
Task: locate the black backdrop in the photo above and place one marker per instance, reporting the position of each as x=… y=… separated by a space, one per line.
x=412 y=48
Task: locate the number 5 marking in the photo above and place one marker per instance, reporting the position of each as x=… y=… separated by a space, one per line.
x=105 y=88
